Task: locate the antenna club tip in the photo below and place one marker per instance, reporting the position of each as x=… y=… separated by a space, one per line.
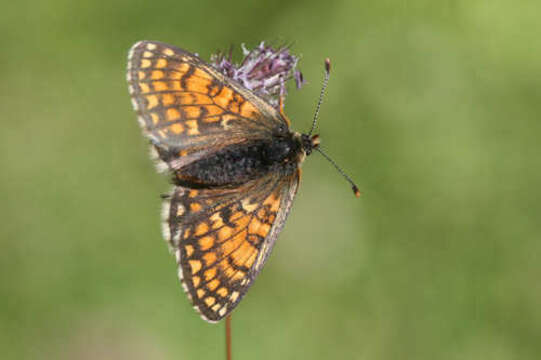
x=356 y=191
x=327 y=65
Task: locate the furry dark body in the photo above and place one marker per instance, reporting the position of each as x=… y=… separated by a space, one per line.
x=239 y=163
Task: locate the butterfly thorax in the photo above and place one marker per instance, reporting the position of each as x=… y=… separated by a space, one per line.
x=238 y=163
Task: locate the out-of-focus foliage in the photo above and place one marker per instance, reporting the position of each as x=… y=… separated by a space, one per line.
x=433 y=107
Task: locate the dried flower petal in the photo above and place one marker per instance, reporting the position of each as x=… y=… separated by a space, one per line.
x=299 y=79
x=263 y=70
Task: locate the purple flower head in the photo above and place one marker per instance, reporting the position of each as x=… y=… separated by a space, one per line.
x=263 y=70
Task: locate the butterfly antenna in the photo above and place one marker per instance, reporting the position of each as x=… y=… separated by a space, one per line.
x=322 y=93
x=353 y=186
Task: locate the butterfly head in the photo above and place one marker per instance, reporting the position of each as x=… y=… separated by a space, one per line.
x=309 y=143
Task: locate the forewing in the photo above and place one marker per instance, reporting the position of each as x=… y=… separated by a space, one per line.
x=187 y=105
x=222 y=238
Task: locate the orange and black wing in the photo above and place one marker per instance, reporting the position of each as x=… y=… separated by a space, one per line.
x=187 y=107
x=222 y=238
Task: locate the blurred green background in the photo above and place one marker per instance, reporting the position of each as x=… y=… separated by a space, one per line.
x=433 y=107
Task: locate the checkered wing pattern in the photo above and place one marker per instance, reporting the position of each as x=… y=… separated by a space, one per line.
x=221 y=235
x=187 y=108
x=222 y=238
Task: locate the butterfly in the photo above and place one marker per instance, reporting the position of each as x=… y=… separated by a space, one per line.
x=235 y=165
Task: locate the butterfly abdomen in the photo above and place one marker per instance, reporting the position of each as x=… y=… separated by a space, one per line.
x=239 y=163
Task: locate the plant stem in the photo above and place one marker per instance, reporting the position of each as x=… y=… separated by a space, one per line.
x=228 y=337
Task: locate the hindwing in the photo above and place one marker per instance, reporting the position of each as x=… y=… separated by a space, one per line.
x=222 y=238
